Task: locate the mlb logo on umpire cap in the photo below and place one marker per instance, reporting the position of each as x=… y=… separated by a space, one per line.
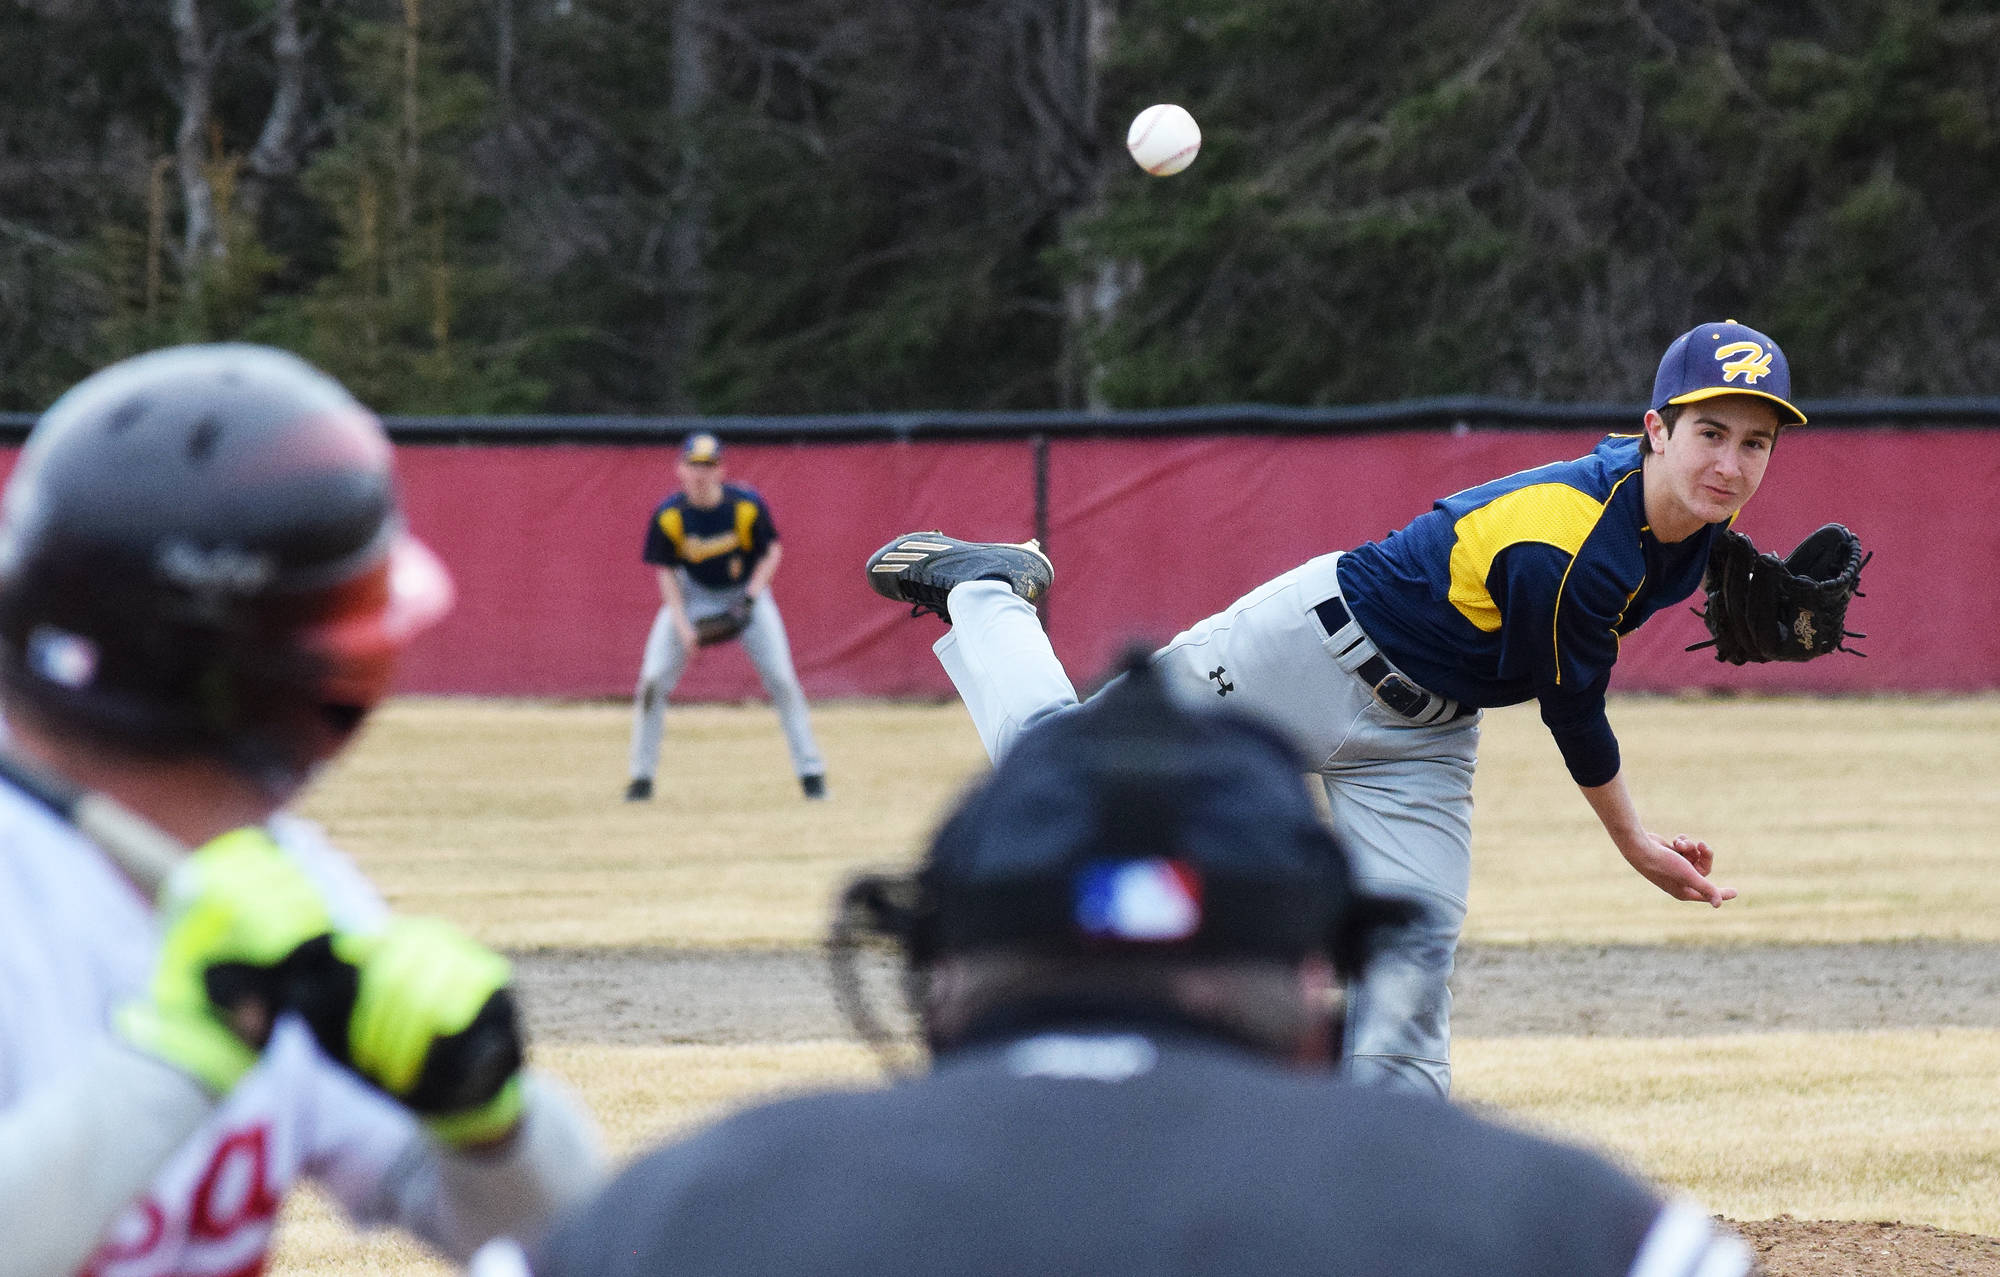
x=701 y=449
x=1157 y=900
x=1724 y=359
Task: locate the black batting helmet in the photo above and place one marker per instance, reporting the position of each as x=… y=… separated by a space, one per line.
x=201 y=553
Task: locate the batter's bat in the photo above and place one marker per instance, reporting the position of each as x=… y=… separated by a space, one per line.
x=144 y=851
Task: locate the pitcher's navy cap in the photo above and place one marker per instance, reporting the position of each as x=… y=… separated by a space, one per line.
x=702 y=449
x=1725 y=359
x=1135 y=823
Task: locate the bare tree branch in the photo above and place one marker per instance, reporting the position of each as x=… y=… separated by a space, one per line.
x=276 y=153
x=200 y=239
x=687 y=228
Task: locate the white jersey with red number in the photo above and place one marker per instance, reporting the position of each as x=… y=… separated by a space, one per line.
x=76 y=941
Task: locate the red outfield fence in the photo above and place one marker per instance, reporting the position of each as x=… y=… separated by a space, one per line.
x=1147 y=535
x=1148 y=532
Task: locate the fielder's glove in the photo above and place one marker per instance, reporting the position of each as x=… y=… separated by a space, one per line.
x=1763 y=608
x=723 y=626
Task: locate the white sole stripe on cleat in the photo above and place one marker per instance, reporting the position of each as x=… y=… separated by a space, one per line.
x=930 y=547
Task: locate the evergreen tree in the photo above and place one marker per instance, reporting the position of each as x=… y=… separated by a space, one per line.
x=418 y=313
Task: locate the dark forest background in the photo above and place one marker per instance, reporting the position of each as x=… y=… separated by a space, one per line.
x=492 y=206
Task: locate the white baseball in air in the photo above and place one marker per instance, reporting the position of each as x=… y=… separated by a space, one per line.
x=1163 y=139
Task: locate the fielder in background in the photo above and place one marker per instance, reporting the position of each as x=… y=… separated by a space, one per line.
x=715 y=549
x=1378 y=661
x=204 y=586
x=1123 y=950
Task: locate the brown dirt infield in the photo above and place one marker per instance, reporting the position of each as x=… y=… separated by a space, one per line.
x=649 y=996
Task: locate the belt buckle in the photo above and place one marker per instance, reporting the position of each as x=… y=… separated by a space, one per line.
x=1401 y=695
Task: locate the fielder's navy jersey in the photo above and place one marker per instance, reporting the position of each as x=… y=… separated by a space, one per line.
x=1521 y=589
x=719 y=545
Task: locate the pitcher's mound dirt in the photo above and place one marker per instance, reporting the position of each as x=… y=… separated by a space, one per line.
x=1788 y=1247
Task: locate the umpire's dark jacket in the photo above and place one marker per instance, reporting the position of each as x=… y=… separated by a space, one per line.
x=1120 y=1148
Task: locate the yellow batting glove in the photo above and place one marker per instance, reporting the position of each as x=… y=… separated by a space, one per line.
x=235 y=912
x=434 y=1025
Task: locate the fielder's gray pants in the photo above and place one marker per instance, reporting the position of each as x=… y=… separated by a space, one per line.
x=1401 y=795
x=763 y=642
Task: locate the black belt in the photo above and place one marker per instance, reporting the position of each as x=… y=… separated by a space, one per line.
x=1399 y=694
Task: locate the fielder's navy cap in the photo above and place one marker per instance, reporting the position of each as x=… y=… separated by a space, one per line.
x=1725 y=359
x=1133 y=822
x=702 y=449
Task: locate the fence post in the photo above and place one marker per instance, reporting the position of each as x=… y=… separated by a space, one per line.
x=1038 y=444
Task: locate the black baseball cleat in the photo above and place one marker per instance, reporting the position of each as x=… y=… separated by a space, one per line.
x=814 y=787
x=920 y=569
x=640 y=790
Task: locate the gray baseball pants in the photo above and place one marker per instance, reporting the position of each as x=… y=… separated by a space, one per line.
x=1400 y=794
x=770 y=654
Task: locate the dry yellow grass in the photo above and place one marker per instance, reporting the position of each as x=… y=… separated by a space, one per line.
x=1836 y=819
x=507 y=816
x=1892 y=1125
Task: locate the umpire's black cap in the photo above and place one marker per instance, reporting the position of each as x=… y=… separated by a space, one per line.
x=1136 y=823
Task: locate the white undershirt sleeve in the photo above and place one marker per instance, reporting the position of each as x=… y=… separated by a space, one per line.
x=1685 y=1242
x=459 y=1201
x=75 y=1154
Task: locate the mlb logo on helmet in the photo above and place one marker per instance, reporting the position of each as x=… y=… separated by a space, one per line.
x=1143 y=901
x=69 y=660
x=1725 y=359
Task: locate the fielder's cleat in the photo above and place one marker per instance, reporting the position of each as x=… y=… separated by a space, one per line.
x=921 y=568
x=640 y=790
x=813 y=786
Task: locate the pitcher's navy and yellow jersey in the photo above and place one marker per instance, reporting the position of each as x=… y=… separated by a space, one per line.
x=718 y=546
x=1521 y=589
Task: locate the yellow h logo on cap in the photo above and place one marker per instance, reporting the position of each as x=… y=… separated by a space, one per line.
x=1745 y=357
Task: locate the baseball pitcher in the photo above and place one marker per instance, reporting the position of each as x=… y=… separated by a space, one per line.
x=1378 y=661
